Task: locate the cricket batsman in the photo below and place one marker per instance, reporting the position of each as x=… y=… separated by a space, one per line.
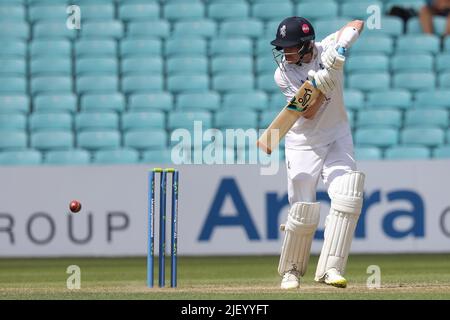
x=319 y=145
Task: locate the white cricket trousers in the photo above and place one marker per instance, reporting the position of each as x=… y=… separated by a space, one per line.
x=304 y=167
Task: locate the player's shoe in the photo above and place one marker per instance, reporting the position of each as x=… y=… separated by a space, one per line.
x=291 y=280
x=333 y=278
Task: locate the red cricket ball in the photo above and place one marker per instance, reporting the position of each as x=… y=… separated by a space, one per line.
x=75 y=206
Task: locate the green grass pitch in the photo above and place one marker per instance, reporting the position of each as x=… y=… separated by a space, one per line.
x=415 y=276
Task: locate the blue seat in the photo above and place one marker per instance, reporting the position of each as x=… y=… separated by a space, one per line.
x=387 y=118
x=52 y=140
x=151 y=101
x=88 y=121
x=430 y=137
x=141 y=11
x=143 y=120
x=415 y=81
x=46 y=12
x=61 y=48
x=51 y=84
x=23 y=157
x=55 y=103
x=226 y=10
x=146 y=139
x=232 y=65
x=12 y=12
x=442 y=152
x=328 y=26
x=368 y=153
x=230 y=119
x=67 y=157
x=370 y=81
x=97 y=11
x=140 y=47
x=188 y=83
x=97 y=84
x=54 y=30
x=199 y=28
x=96 y=66
x=15 y=103
x=111 y=102
x=12 y=85
x=354 y=99
x=12 y=67
x=376 y=137
x=230 y=83
x=248 y=27
x=116 y=156
x=95 y=140
x=142 y=65
x=250 y=100
x=312 y=11
x=263 y=46
x=390 y=26
x=407 y=153
x=14 y=30
x=95 y=48
x=15 y=139
x=427 y=117
x=231 y=46
x=102 y=29
x=267 y=117
x=51 y=66
x=149 y=29
x=187 y=65
x=14 y=48
x=267 y=83
x=142 y=84
x=413 y=25
x=418 y=44
x=390 y=98
x=184 y=11
x=208 y=100
x=13 y=122
x=432 y=99
x=371 y=45
x=186 y=46
x=443 y=62
x=447 y=44
x=265 y=65
x=157 y=156
x=45 y=121
x=444 y=80
x=272 y=10
x=186 y=119
x=277 y=101
x=358 y=10
x=412 y=63
x=367 y=63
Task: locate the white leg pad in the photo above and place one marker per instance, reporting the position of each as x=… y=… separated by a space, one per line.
x=300 y=227
x=346 y=193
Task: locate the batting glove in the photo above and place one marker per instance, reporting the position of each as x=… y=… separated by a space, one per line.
x=324 y=80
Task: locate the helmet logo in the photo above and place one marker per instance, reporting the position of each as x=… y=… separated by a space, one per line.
x=305 y=28
x=283 y=31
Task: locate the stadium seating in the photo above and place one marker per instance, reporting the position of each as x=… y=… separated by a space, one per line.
x=405 y=152
x=113 y=91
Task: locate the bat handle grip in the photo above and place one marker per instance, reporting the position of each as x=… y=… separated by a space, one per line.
x=341 y=50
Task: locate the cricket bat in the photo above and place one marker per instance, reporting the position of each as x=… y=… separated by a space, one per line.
x=299 y=104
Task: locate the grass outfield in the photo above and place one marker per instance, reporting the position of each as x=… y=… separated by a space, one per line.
x=402 y=277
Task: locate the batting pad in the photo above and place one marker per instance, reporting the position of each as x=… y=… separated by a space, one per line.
x=346 y=193
x=300 y=227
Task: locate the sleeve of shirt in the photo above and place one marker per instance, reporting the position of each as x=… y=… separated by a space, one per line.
x=286 y=88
